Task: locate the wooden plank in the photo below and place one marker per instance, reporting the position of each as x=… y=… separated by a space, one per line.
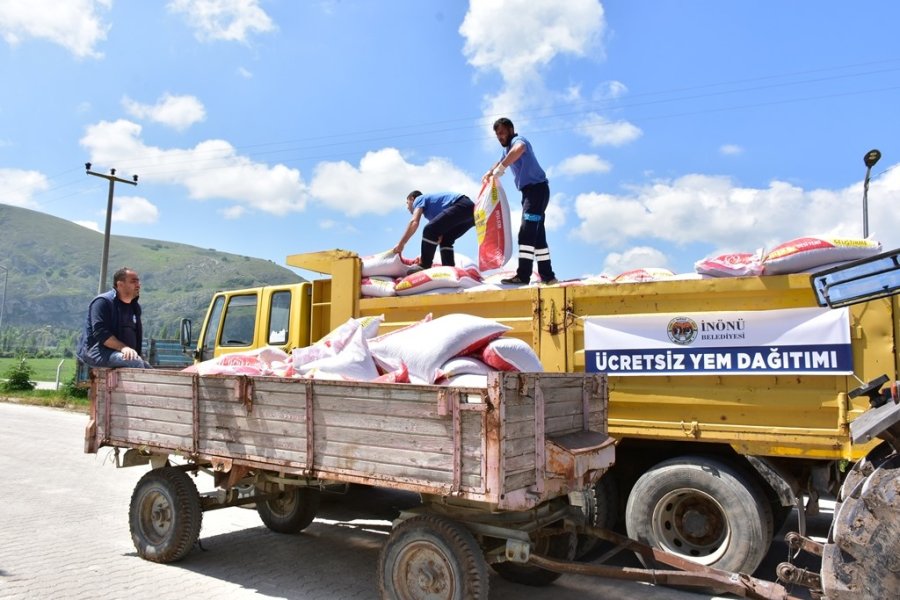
x=391 y=471
x=154 y=376
x=520 y=462
x=518 y=481
x=383 y=454
x=181 y=390
x=412 y=442
x=386 y=425
x=127 y=411
x=253 y=424
x=255 y=438
x=295 y=414
x=135 y=399
x=123 y=426
x=370 y=406
x=127 y=436
x=296 y=460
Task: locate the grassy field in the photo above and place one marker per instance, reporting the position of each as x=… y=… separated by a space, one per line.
x=44 y=368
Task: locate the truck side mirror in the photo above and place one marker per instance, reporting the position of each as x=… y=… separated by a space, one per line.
x=185 y=333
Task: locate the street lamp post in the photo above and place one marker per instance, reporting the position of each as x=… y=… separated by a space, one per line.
x=112 y=183
x=870 y=159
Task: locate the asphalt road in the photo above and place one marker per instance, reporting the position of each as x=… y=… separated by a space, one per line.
x=64 y=534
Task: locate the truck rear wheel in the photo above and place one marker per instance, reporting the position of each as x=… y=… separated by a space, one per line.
x=165 y=515
x=704 y=510
x=292 y=511
x=431 y=557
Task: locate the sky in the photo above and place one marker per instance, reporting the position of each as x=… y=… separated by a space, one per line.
x=670 y=131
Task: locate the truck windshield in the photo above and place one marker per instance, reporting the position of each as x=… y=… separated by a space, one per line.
x=279 y=317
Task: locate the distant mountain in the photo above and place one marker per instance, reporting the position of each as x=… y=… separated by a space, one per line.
x=54 y=270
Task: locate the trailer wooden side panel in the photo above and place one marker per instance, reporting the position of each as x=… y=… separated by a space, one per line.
x=483 y=445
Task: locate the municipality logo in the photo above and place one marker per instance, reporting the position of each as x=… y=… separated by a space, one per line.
x=682 y=330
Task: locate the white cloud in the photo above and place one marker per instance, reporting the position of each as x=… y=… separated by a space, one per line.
x=582 y=164
x=228 y=20
x=178 y=112
x=73 y=24
x=245 y=73
x=94 y=225
x=610 y=90
x=603 y=132
x=233 y=212
x=210 y=170
x=519 y=38
x=730 y=149
x=704 y=208
x=337 y=226
x=134 y=209
x=382 y=180
x=18 y=187
x=640 y=257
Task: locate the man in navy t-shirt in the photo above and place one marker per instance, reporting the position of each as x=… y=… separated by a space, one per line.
x=449 y=217
x=532 y=182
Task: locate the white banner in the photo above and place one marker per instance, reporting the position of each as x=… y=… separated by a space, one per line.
x=755 y=342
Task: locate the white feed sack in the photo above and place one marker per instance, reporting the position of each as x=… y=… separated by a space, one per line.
x=802 y=254
x=426 y=346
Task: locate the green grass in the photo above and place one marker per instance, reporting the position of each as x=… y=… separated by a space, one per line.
x=44 y=368
x=50 y=398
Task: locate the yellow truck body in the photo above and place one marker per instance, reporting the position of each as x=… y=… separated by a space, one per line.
x=784 y=434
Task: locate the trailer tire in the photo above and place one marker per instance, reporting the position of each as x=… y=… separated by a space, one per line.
x=561 y=546
x=165 y=515
x=429 y=556
x=292 y=511
x=704 y=510
x=602 y=502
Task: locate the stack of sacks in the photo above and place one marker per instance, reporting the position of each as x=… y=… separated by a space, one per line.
x=438 y=279
x=816 y=253
x=456 y=349
x=262 y=361
x=642 y=275
x=425 y=346
x=380 y=273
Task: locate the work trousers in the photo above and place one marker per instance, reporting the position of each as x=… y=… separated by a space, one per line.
x=532 y=233
x=445 y=229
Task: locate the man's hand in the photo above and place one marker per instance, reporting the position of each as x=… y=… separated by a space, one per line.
x=129 y=353
x=398 y=249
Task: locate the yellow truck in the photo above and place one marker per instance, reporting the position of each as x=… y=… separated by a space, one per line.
x=736 y=412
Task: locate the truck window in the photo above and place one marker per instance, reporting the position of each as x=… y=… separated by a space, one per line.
x=208 y=344
x=240 y=321
x=279 y=317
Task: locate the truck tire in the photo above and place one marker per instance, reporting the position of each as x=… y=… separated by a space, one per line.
x=165 y=515
x=292 y=511
x=704 y=510
x=432 y=557
x=562 y=546
x=862 y=558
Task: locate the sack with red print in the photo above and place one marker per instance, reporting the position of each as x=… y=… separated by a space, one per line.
x=811 y=252
x=492 y=226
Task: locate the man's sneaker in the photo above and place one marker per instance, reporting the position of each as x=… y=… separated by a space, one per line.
x=553 y=281
x=514 y=281
x=414 y=269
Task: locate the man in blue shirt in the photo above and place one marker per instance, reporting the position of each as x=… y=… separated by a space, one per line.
x=449 y=217
x=113 y=334
x=532 y=182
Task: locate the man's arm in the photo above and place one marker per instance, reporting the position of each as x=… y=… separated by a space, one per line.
x=411 y=229
x=500 y=166
x=114 y=343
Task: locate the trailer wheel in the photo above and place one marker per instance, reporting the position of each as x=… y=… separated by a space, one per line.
x=292 y=511
x=704 y=510
x=561 y=546
x=602 y=501
x=165 y=515
x=431 y=557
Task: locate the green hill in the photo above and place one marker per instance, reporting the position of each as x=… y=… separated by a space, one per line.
x=54 y=270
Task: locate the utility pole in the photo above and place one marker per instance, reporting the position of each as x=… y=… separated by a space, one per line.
x=112 y=183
